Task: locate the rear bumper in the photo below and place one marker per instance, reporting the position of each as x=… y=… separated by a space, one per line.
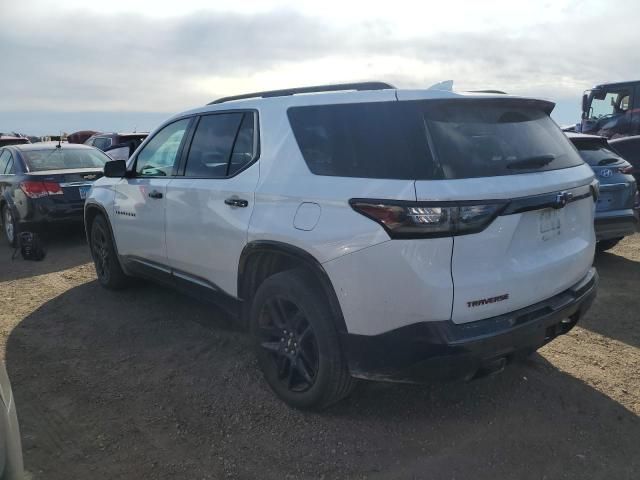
x=42 y=213
x=444 y=350
x=616 y=224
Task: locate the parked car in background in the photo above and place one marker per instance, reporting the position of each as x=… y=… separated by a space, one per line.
x=80 y=136
x=119 y=146
x=629 y=148
x=615 y=213
x=363 y=231
x=12 y=140
x=44 y=183
x=11 y=463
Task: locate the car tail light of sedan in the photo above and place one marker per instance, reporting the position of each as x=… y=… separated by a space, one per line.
x=421 y=220
x=33 y=189
x=628 y=169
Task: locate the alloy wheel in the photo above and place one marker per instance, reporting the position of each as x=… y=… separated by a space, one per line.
x=288 y=339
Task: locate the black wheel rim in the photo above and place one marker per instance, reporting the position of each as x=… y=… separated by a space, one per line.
x=289 y=343
x=100 y=250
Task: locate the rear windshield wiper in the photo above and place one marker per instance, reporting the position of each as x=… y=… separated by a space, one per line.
x=608 y=161
x=537 y=161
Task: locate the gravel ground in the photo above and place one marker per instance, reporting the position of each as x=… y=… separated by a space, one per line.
x=147 y=383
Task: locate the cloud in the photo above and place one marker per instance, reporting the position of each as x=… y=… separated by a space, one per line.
x=81 y=61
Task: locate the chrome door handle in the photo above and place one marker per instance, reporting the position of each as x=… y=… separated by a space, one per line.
x=155 y=194
x=236 y=202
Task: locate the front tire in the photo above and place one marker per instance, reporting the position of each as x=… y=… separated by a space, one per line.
x=296 y=343
x=105 y=258
x=9 y=226
x=604 y=245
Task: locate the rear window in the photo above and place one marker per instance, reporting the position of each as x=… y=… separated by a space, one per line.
x=596 y=155
x=64 y=159
x=427 y=140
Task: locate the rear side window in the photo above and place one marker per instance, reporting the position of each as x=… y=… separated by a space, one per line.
x=102 y=142
x=64 y=159
x=427 y=140
x=371 y=140
x=4 y=160
x=222 y=145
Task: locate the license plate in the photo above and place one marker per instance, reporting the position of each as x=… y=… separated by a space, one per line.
x=550 y=224
x=604 y=201
x=83 y=191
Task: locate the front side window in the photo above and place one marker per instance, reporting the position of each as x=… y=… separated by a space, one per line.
x=158 y=157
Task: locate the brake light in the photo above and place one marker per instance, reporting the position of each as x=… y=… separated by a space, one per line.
x=628 y=169
x=33 y=189
x=428 y=219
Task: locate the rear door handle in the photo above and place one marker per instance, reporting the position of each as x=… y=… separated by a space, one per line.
x=236 y=202
x=155 y=194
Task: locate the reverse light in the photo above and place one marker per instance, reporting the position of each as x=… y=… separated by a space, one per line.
x=426 y=219
x=33 y=189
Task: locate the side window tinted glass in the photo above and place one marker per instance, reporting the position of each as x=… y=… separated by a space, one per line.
x=9 y=170
x=243 y=150
x=159 y=155
x=4 y=159
x=212 y=144
x=102 y=143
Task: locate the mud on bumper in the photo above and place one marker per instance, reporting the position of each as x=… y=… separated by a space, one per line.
x=429 y=351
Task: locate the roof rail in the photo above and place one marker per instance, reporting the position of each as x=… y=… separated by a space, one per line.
x=498 y=92
x=317 y=88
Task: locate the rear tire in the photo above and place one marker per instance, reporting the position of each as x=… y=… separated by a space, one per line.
x=604 y=245
x=105 y=258
x=296 y=342
x=9 y=226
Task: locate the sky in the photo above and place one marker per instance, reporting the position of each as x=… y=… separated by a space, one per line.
x=68 y=65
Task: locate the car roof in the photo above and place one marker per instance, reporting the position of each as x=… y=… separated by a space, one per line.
x=348 y=96
x=616 y=84
x=30 y=147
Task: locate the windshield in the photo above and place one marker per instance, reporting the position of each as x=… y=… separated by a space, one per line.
x=596 y=155
x=64 y=159
x=609 y=104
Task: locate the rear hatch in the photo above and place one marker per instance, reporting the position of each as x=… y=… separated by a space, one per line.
x=504 y=161
x=617 y=185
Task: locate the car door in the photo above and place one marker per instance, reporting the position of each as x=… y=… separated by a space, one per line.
x=209 y=206
x=139 y=205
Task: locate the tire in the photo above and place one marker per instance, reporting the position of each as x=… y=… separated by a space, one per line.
x=9 y=226
x=105 y=258
x=296 y=343
x=604 y=245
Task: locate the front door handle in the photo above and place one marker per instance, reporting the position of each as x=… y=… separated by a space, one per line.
x=155 y=194
x=236 y=202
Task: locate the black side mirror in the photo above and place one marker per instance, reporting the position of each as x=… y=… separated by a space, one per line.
x=115 y=169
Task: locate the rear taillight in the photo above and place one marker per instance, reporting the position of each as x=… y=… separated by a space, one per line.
x=33 y=189
x=626 y=170
x=428 y=219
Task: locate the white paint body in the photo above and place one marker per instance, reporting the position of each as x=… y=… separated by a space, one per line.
x=381 y=284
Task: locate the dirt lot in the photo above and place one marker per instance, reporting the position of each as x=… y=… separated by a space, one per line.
x=147 y=383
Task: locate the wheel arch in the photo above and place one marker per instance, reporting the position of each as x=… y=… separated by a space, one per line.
x=91 y=211
x=262 y=258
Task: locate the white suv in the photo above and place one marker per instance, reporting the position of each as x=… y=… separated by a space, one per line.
x=360 y=230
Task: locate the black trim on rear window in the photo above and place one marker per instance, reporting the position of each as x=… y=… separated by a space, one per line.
x=430 y=139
